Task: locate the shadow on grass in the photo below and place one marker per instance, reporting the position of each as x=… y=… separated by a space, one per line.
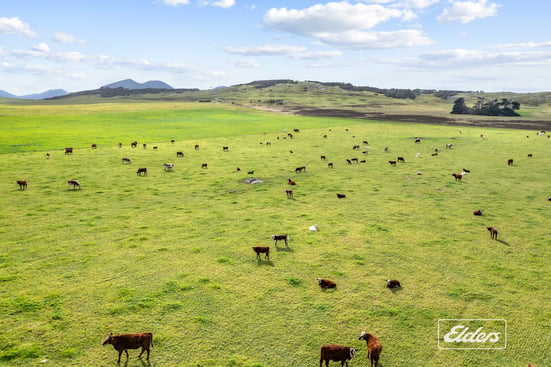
x=504 y=242
x=265 y=263
x=396 y=290
x=284 y=249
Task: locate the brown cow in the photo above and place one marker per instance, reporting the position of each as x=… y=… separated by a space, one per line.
x=22 y=184
x=291 y=182
x=493 y=232
x=477 y=212
x=123 y=342
x=326 y=283
x=374 y=348
x=458 y=176
x=337 y=353
x=289 y=193
x=262 y=250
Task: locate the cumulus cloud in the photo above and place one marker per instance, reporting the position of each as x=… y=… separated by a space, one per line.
x=294 y=52
x=245 y=63
x=467 y=11
x=342 y=24
x=62 y=37
x=15 y=25
x=225 y=4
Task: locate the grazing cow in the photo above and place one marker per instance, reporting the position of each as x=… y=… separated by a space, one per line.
x=250 y=172
x=510 y=162
x=313 y=228
x=179 y=154
x=196 y=146
x=417 y=140
x=493 y=232
x=290 y=135
x=262 y=250
x=323 y=158
x=141 y=172
x=74 y=183
x=126 y=160
x=94 y=146
x=300 y=169
x=120 y=145
x=155 y=148
x=225 y=149
x=336 y=353
x=291 y=182
x=296 y=130
x=530 y=155
x=457 y=176
x=392 y=163
x=326 y=283
x=238 y=169
x=356 y=147
x=325 y=136
x=172 y=141
x=348 y=161
x=168 y=166
x=354 y=160
x=48 y=155
x=434 y=154
x=330 y=165
x=478 y=213
x=144 y=145
x=449 y=146
x=204 y=165
x=289 y=193
x=280 y=237
x=401 y=159
x=134 y=144
x=68 y=150
x=22 y=184
x=123 y=342
x=549 y=198
x=374 y=348
x=393 y=283
x=341 y=196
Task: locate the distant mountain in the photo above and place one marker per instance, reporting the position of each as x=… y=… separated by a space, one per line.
x=131 y=84
x=48 y=94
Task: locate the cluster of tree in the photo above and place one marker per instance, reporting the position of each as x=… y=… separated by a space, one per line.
x=504 y=107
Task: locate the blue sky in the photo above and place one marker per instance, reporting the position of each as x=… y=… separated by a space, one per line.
x=489 y=45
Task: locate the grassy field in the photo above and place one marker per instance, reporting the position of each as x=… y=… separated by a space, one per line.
x=171 y=253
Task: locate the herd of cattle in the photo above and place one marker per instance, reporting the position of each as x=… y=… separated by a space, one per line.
x=328 y=352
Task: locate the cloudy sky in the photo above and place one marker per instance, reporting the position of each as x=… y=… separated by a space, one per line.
x=489 y=45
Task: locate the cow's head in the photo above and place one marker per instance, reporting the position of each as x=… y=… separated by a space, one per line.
x=108 y=339
x=364 y=336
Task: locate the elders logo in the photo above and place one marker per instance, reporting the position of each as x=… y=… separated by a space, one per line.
x=472 y=334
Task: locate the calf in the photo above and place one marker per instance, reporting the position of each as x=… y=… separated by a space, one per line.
x=280 y=237
x=22 y=184
x=493 y=232
x=393 y=283
x=289 y=193
x=457 y=176
x=262 y=250
x=123 y=342
x=336 y=353
x=134 y=144
x=126 y=160
x=141 y=172
x=374 y=348
x=74 y=183
x=326 y=283
x=291 y=182
x=477 y=212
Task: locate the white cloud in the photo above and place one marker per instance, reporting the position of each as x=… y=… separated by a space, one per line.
x=329 y=17
x=175 y=2
x=372 y=40
x=15 y=25
x=62 y=37
x=294 y=52
x=245 y=63
x=225 y=4
x=41 y=47
x=467 y=11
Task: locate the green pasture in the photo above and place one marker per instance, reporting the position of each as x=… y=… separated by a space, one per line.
x=171 y=253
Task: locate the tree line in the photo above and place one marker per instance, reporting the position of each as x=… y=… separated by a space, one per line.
x=503 y=107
